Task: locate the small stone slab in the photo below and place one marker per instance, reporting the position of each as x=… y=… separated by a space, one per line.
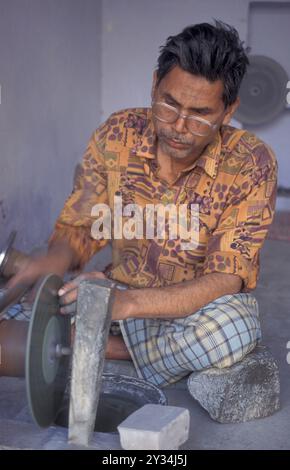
x=247 y=390
x=155 y=427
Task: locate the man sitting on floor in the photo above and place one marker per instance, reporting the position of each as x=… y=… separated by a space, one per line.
x=189 y=306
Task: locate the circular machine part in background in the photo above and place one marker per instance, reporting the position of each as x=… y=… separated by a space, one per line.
x=263 y=91
x=46 y=371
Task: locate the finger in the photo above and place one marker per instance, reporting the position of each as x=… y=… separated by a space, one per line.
x=77 y=280
x=68 y=293
x=68 y=297
x=69 y=309
x=71 y=284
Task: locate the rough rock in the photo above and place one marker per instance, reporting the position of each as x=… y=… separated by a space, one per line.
x=247 y=390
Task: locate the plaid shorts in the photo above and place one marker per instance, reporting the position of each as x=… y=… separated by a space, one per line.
x=218 y=335
x=20 y=311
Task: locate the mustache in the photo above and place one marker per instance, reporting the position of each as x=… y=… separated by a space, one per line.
x=176 y=137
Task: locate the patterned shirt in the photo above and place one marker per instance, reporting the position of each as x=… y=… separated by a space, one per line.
x=233 y=182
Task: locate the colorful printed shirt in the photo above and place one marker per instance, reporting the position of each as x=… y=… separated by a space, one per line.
x=233 y=182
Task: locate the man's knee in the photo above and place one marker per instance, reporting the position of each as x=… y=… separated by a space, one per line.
x=237 y=356
x=230 y=331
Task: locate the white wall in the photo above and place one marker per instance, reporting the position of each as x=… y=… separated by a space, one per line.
x=133 y=31
x=50 y=77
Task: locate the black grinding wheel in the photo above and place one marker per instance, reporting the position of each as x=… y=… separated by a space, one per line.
x=46 y=369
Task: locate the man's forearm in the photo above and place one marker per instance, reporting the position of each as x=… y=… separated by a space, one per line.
x=179 y=300
x=61 y=256
x=59 y=259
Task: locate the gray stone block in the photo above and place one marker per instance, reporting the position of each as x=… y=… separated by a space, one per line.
x=155 y=427
x=247 y=390
x=93 y=320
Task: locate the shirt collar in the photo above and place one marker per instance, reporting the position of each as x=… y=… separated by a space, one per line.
x=146 y=145
x=209 y=159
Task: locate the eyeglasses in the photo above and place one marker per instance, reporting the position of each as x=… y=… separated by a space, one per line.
x=195 y=125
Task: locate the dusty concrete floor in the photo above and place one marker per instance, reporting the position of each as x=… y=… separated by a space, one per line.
x=273 y=432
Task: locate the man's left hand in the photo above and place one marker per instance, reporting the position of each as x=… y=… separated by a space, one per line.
x=69 y=292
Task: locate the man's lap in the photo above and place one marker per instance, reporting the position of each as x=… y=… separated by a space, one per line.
x=164 y=350
x=218 y=335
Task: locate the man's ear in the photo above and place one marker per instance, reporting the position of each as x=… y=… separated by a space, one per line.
x=231 y=111
x=154 y=83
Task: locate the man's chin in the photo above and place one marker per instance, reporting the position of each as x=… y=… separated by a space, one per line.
x=177 y=154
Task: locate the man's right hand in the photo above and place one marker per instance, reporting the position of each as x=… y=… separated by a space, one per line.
x=57 y=261
x=30 y=272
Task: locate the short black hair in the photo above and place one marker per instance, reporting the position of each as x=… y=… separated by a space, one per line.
x=214 y=52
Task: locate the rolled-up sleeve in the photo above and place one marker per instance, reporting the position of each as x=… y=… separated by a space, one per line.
x=90 y=187
x=235 y=244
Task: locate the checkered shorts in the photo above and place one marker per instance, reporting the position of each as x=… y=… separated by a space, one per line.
x=19 y=311
x=218 y=335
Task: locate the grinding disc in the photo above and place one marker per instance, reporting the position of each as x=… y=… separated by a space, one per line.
x=263 y=91
x=46 y=371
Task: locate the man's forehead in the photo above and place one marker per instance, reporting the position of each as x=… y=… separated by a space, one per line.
x=186 y=88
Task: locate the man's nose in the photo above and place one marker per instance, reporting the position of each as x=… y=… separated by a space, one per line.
x=180 y=125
